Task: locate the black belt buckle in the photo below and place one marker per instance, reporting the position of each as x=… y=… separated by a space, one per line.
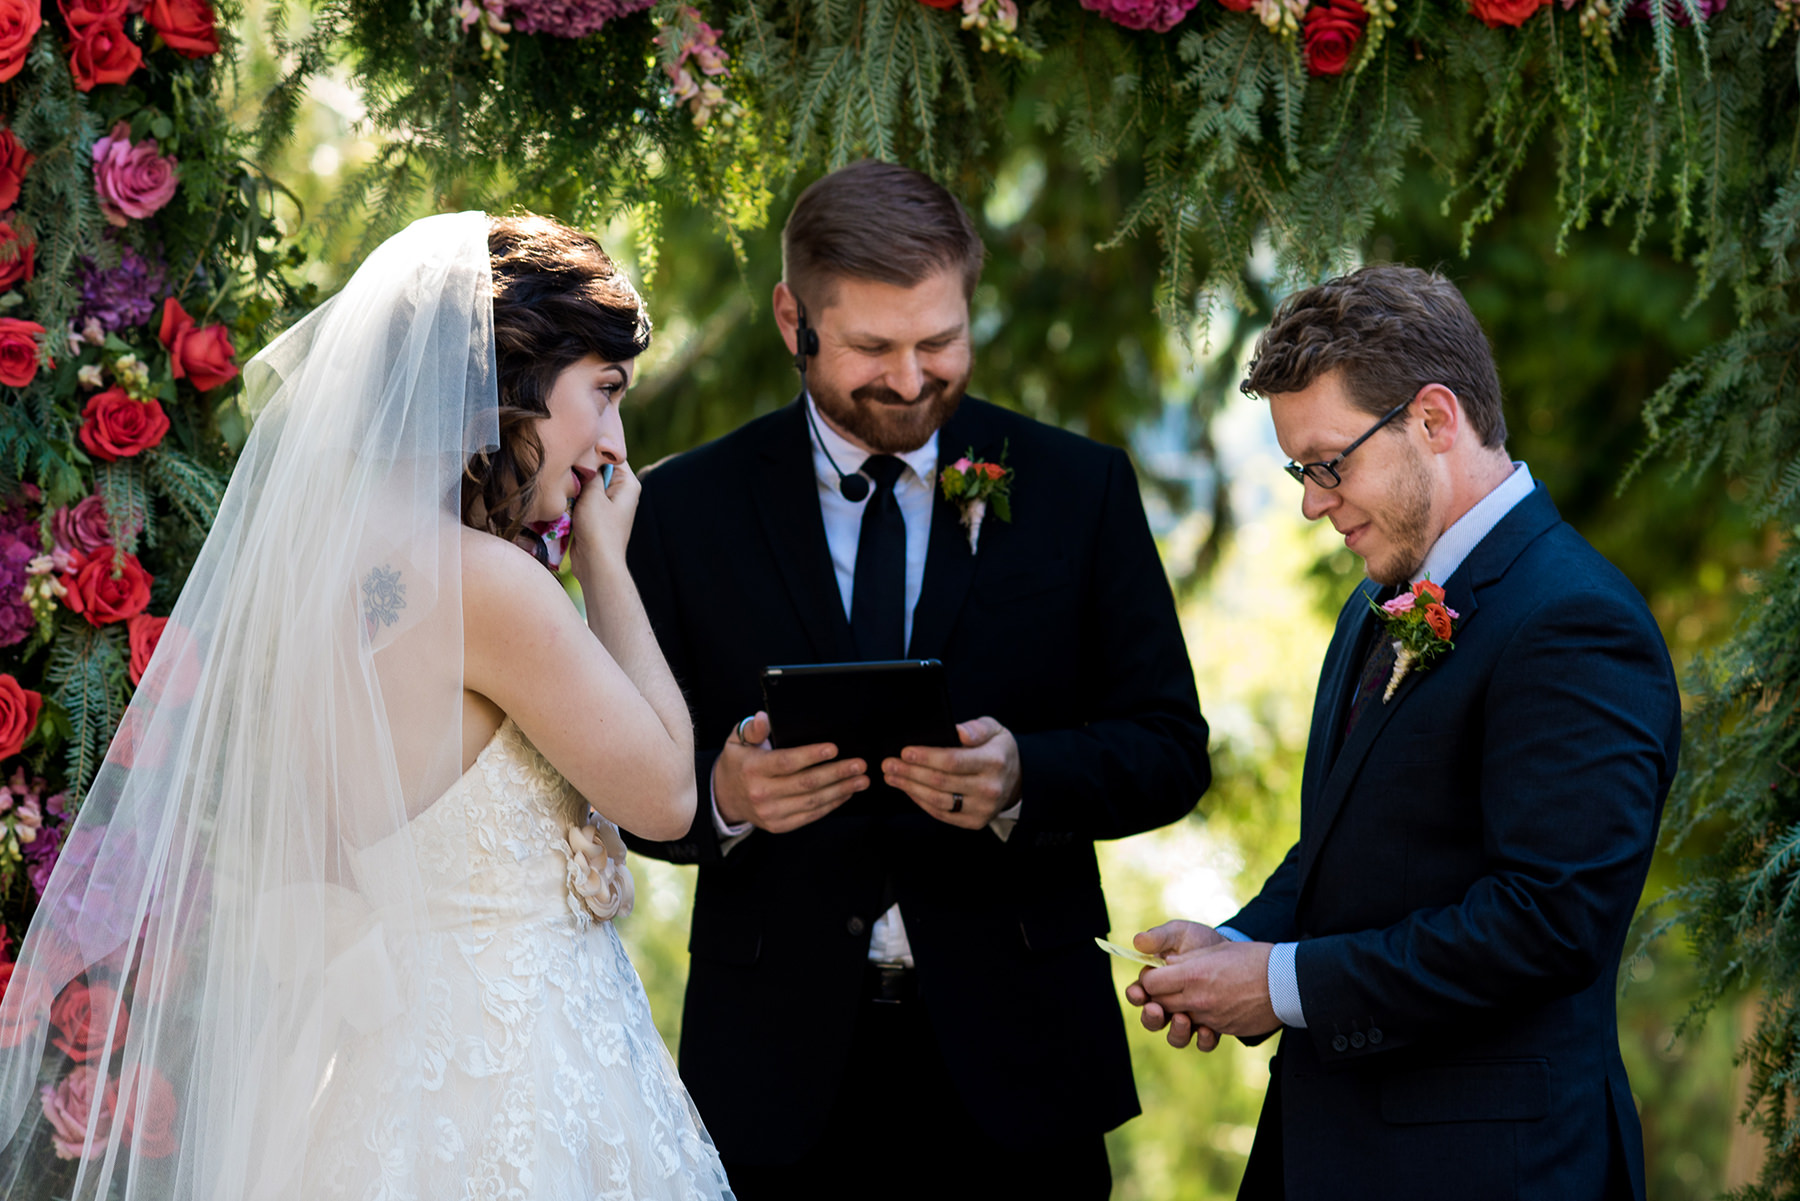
x=889 y=984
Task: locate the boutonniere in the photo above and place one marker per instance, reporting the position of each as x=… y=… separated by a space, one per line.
x=1420 y=624
x=975 y=487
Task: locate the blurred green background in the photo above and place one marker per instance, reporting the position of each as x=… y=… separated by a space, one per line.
x=1067 y=333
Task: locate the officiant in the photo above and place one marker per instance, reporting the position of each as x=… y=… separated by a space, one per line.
x=861 y=928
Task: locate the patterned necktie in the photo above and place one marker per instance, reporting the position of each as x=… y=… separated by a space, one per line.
x=878 y=595
x=1377 y=667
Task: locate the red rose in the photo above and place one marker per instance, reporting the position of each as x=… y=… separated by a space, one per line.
x=114 y=426
x=1495 y=13
x=15 y=160
x=18 y=351
x=1238 y=6
x=940 y=3
x=19 y=708
x=200 y=356
x=1332 y=32
x=147 y=1115
x=101 y=53
x=100 y=596
x=79 y=1018
x=20 y=21
x=1427 y=588
x=146 y=632
x=188 y=27
x=81 y=14
x=1438 y=618
x=23 y=264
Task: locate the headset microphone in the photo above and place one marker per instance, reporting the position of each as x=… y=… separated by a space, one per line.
x=855 y=488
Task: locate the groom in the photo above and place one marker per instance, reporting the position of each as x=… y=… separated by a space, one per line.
x=863 y=931
x=1443 y=943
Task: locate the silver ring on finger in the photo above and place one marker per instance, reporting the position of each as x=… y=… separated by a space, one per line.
x=740 y=730
x=956 y=802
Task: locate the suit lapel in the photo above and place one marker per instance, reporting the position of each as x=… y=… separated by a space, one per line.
x=1487 y=562
x=787 y=500
x=949 y=564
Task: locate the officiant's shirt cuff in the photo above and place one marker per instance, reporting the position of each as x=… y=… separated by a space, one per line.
x=1006 y=819
x=729 y=835
x=1284 y=986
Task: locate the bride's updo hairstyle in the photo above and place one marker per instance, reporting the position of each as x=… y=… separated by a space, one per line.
x=557 y=299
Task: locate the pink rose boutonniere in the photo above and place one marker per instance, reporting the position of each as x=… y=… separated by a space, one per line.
x=975 y=487
x=1420 y=625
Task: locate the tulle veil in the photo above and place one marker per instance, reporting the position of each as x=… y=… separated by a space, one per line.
x=205 y=947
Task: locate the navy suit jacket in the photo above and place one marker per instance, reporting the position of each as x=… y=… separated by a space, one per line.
x=1063 y=628
x=1469 y=862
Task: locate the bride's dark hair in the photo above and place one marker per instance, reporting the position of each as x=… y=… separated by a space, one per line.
x=557 y=299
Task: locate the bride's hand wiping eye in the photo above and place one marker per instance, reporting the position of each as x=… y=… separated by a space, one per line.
x=600 y=521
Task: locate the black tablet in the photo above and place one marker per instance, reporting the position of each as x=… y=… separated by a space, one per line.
x=871 y=711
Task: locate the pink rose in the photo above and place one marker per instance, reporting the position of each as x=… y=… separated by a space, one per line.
x=962 y=465
x=82 y=1096
x=131 y=181
x=83 y=528
x=1158 y=15
x=1400 y=604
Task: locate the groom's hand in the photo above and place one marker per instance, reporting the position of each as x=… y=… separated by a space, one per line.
x=781 y=790
x=1173 y=940
x=983 y=772
x=1220 y=989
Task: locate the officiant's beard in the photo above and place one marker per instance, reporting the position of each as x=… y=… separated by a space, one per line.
x=886 y=422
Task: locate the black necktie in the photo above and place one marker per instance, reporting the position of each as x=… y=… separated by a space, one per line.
x=878 y=596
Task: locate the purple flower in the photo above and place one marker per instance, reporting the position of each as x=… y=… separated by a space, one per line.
x=121 y=296
x=1676 y=11
x=1158 y=15
x=570 y=18
x=19 y=545
x=82 y=528
x=40 y=856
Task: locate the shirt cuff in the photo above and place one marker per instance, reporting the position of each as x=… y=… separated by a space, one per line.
x=1231 y=935
x=729 y=835
x=1284 y=986
x=1006 y=819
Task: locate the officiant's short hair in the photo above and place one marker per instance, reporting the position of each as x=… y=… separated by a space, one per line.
x=1388 y=330
x=877 y=221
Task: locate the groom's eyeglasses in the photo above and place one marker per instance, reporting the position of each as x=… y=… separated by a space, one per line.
x=1324 y=473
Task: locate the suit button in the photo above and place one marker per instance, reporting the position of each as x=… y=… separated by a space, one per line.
x=855 y=925
x=1340 y=1043
x=1357 y=1040
x=1375 y=1036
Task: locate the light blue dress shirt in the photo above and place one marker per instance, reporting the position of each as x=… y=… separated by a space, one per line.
x=1445 y=556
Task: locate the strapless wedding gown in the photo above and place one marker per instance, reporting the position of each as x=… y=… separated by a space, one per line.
x=533 y=1071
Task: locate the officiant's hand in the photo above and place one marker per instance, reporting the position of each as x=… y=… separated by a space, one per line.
x=983 y=773
x=1210 y=987
x=780 y=790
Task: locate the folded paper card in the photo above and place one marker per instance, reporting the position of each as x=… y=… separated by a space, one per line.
x=1113 y=948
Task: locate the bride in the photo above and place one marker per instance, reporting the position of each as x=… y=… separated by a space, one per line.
x=335 y=918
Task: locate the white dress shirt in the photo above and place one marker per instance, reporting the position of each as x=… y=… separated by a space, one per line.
x=1444 y=557
x=843 y=531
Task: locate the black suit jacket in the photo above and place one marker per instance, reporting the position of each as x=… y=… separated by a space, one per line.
x=1469 y=861
x=1062 y=628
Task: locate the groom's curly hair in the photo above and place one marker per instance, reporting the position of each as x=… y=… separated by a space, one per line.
x=1388 y=330
x=558 y=298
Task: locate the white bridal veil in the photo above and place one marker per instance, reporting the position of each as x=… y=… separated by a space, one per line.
x=207 y=946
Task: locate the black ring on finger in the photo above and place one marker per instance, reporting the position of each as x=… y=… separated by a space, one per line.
x=956 y=802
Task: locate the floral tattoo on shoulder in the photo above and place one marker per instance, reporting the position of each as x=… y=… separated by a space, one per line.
x=383 y=598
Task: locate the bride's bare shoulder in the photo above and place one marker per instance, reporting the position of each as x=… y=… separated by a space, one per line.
x=500 y=577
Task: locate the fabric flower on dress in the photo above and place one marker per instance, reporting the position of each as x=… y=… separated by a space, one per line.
x=599 y=882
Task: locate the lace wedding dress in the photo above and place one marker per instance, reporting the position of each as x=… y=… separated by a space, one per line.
x=560 y=1087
